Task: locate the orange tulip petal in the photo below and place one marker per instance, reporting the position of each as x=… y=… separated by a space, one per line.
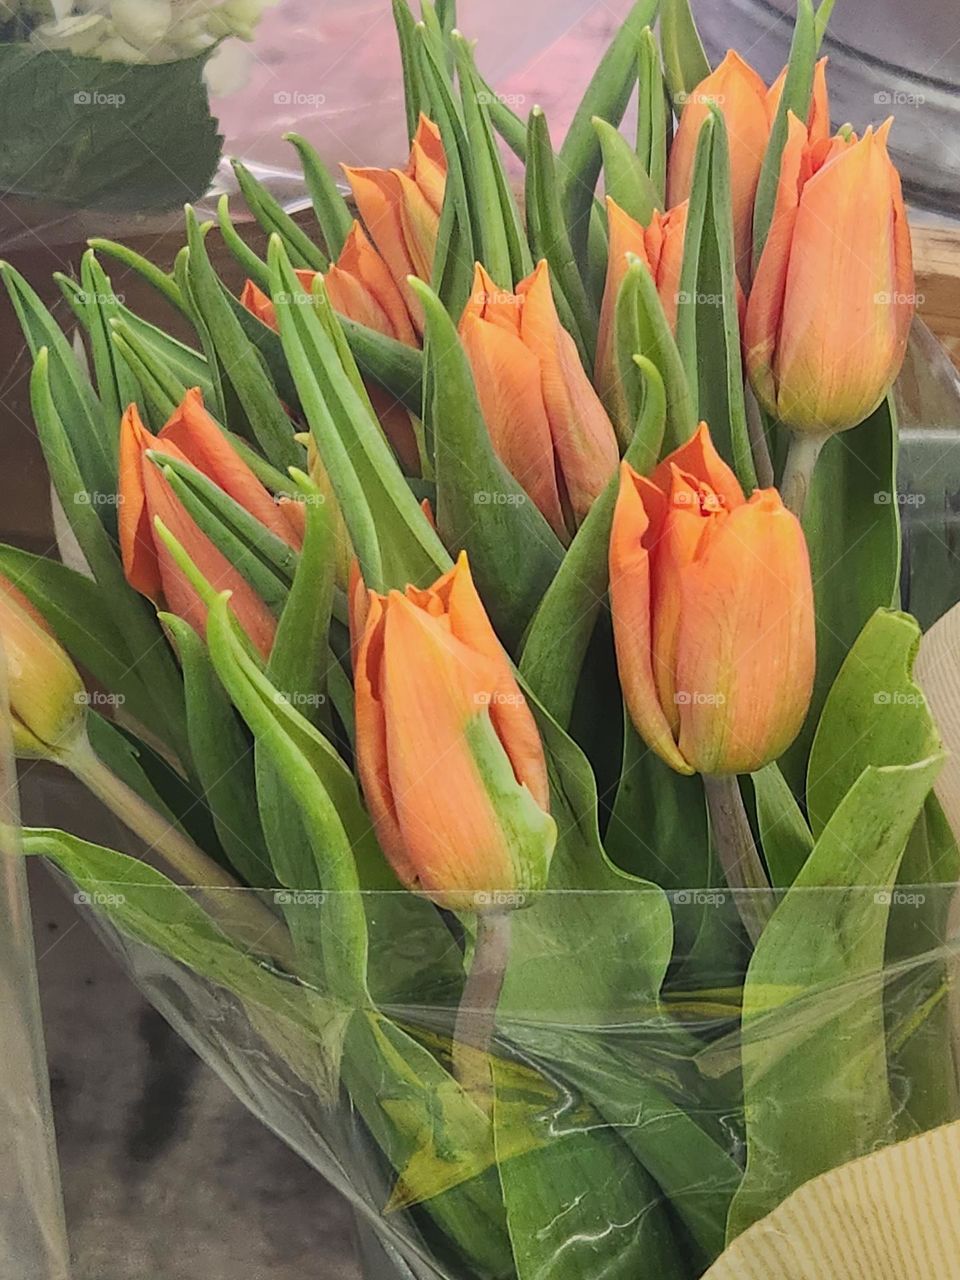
x=836 y=359
x=178 y=594
x=631 y=605
x=740 y=95
x=511 y=716
x=432 y=684
x=367 y=623
x=583 y=437
x=626 y=235
x=684 y=525
x=507 y=378
x=258 y=304
x=377 y=196
x=669 y=262
x=428 y=163
x=699 y=458
x=361 y=263
x=488 y=301
x=420 y=223
x=765 y=303
x=194 y=432
x=746 y=657
x=135 y=526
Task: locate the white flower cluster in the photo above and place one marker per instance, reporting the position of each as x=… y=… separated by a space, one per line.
x=137 y=31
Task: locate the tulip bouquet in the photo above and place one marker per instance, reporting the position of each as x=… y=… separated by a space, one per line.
x=489 y=627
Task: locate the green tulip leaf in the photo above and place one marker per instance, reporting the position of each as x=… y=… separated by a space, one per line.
x=92 y=437
x=505 y=252
x=393 y=541
x=625 y=177
x=330 y=208
x=684 y=60
x=852 y=524
x=222 y=755
x=116 y=385
x=708 y=325
x=550 y=238
x=785 y=835
x=876 y=715
x=150 y=655
x=240 y=359
x=797 y=92
x=303 y=253
x=606 y=96
x=653 y=122
x=814 y=1053
x=559 y=636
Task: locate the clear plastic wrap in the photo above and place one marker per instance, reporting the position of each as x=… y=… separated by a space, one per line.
x=623 y=1120
x=33 y=1240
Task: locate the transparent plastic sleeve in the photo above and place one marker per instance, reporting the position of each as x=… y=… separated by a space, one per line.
x=634 y=1130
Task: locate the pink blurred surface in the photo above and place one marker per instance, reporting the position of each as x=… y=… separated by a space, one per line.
x=330 y=69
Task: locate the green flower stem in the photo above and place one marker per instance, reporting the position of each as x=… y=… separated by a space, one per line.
x=758 y=441
x=805 y=449
x=237 y=911
x=738 y=855
x=477 y=1015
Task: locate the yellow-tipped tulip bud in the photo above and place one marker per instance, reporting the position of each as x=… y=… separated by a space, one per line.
x=712 y=613
x=47 y=698
x=834 y=295
x=449 y=755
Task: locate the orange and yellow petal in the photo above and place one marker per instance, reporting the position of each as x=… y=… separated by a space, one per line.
x=431 y=687
x=507 y=377
x=840 y=349
x=631 y=591
x=584 y=441
x=199 y=439
x=746 y=652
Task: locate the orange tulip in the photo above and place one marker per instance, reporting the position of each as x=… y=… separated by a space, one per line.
x=818 y=121
x=401 y=210
x=740 y=95
x=546 y=421
x=834 y=296
x=712 y=608
x=448 y=751
x=261 y=306
x=192 y=436
x=660 y=247
x=45 y=693
x=360 y=286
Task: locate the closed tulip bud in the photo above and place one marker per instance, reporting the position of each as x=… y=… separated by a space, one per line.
x=740 y=95
x=448 y=751
x=546 y=421
x=713 y=614
x=191 y=436
x=659 y=247
x=401 y=210
x=833 y=299
x=46 y=695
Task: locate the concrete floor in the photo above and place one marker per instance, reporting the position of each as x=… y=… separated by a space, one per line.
x=165 y=1175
